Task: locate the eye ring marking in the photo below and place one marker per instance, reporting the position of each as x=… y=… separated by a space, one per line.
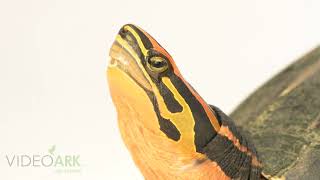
x=157 y=64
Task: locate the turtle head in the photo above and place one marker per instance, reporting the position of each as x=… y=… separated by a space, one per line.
x=144 y=80
x=164 y=122
x=144 y=77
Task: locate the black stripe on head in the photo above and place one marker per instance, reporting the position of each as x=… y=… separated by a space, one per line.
x=169 y=129
x=166 y=126
x=204 y=131
x=146 y=42
x=171 y=103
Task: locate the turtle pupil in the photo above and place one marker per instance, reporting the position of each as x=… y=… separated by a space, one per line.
x=157 y=64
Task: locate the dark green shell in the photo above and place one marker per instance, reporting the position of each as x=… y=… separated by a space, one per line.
x=283 y=120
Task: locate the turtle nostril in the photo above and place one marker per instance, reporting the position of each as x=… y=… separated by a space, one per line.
x=113 y=62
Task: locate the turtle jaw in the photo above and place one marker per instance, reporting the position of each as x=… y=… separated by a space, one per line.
x=122 y=58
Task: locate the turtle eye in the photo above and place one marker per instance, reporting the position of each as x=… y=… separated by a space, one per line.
x=157 y=64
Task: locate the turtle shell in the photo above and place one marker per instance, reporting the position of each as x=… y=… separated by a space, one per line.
x=282 y=118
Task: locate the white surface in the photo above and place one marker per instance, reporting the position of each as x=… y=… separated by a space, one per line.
x=53 y=56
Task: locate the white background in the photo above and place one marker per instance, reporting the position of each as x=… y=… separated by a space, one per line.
x=53 y=56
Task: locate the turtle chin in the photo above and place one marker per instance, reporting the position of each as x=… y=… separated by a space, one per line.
x=127 y=83
x=133 y=105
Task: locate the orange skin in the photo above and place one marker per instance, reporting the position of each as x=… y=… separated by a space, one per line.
x=139 y=105
x=156 y=156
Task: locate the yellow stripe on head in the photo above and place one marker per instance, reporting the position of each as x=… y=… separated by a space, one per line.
x=138 y=39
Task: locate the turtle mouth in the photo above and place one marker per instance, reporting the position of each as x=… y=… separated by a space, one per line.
x=119 y=58
x=116 y=62
x=122 y=58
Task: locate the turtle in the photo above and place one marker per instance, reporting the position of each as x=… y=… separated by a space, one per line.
x=282 y=118
x=173 y=133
